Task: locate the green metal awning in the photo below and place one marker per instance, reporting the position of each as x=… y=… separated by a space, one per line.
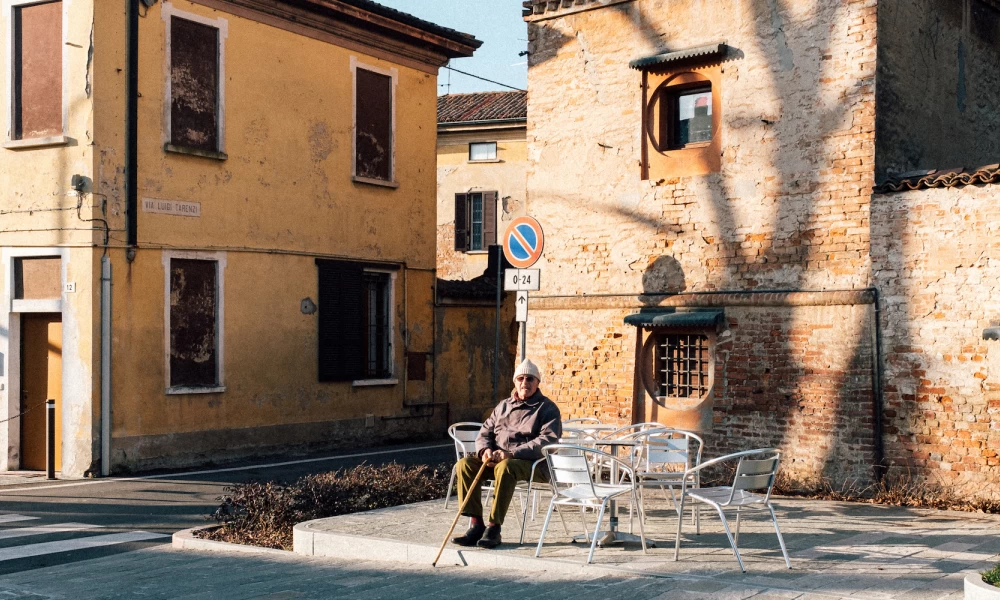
x=700 y=53
x=677 y=319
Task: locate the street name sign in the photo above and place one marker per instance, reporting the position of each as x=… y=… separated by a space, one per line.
x=521 y=280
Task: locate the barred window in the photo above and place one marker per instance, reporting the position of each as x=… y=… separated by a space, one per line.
x=682 y=365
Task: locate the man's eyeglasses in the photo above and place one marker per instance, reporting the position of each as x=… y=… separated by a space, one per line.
x=527 y=378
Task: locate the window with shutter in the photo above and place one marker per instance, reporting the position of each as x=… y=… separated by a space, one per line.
x=194 y=85
x=461 y=222
x=355 y=322
x=37 y=70
x=194 y=326
x=373 y=125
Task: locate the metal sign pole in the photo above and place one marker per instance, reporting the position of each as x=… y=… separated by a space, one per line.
x=496 y=352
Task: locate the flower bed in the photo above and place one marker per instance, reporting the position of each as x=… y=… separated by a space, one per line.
x=263 y=514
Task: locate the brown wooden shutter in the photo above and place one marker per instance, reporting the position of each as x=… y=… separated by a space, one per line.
x=37 y=70
x=489 y=219
x=461 y=222
x=373 y=132
x=193 y=323
x=341 y=321
x=194 y=85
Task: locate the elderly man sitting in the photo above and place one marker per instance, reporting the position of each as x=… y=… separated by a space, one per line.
x=509 y=441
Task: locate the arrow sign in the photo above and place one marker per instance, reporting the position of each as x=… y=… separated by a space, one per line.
x=522 y=307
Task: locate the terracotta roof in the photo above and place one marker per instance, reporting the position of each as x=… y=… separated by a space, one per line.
x=917 y=180
x=482 y=106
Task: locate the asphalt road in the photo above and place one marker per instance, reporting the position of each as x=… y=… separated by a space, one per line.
x=51 y=523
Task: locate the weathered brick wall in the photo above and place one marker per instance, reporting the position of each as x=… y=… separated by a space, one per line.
x=789 y=209
x=799 y=378
x=934 y=257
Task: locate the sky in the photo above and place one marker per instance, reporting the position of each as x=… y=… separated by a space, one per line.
x=497 y=23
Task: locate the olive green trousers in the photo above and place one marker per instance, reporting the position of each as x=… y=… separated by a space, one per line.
x=505 y=474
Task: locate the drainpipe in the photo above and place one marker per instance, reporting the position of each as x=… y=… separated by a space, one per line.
x=878 y=401
x=131 y=124
x=105 y=366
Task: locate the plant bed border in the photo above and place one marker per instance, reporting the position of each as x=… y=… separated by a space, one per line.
x=977 y=589
x=187 y=539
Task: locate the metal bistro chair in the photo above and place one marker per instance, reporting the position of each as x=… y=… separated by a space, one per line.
x=582 y=421
x=756 y=470
x=464 y=434
x=663 y=459
x=575 y=483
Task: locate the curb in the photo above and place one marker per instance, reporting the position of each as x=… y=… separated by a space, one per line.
x=308 y=541
x=186 y=540
x=977 y=589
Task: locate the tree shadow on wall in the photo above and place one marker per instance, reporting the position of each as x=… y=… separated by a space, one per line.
x=663 y=277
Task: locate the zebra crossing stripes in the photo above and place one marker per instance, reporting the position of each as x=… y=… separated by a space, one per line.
x=28 y=541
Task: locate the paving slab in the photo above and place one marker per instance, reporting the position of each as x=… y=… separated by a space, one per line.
x=837 y=549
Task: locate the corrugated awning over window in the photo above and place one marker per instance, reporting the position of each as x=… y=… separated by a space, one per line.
x=700 y=53
x=691 y=319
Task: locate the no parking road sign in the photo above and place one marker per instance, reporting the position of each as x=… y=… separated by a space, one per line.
x=523 y=242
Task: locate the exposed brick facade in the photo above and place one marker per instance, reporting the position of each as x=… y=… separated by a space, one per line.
x=789 y=209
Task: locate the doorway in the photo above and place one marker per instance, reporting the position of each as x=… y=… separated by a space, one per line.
x=41 y=380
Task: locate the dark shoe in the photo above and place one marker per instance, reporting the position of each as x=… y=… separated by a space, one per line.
x=471 y=536
x=492 y=537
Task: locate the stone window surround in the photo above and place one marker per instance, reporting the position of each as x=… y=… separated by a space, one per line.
x=9 y=141
x=661 y=161
x=220 y=320
x=222 y=25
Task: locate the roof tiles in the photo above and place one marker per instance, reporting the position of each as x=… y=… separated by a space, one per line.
x=482 y=106
x=950 y=178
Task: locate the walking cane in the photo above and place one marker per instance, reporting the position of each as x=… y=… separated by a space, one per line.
x=472 y=489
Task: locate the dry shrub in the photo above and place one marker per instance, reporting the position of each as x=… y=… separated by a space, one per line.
x=898 y=488
x=263 y=514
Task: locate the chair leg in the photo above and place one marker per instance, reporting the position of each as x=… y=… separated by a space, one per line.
x=725 y=525
x=524 y=514
x=565 y=527
x=451 y=485
x=545 y=526
x=642 y=517
x=597 y=531
x=737 y=536
x=677 y=538
x=781 y=540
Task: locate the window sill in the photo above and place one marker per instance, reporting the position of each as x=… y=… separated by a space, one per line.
x=43 y=142
x=477 y=251
x=692 y=146
x=195 y=152
x=177 y=391
x=488 y=160
x=373 y=382
x=378 y=182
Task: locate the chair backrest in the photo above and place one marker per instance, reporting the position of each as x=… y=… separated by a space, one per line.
x=572 y=434
x=756 y=470
x=464 y=435
x=572 y=466
x=582 y=420
x=669 y=450
x=632 y=430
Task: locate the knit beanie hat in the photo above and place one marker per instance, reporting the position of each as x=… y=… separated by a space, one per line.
x=527 y=368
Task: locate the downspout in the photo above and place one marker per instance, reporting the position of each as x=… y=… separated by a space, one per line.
x=105 y=366
x=878 y=400
x=131 y=125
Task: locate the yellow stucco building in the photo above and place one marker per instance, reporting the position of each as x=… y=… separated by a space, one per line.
x=251 y=269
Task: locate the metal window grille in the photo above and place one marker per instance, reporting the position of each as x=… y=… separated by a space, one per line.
x=377 y=313
x=682 y=365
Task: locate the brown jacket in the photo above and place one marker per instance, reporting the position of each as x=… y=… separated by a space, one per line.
x=522 y=428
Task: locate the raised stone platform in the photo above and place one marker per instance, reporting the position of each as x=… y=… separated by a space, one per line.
x=837 y=549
